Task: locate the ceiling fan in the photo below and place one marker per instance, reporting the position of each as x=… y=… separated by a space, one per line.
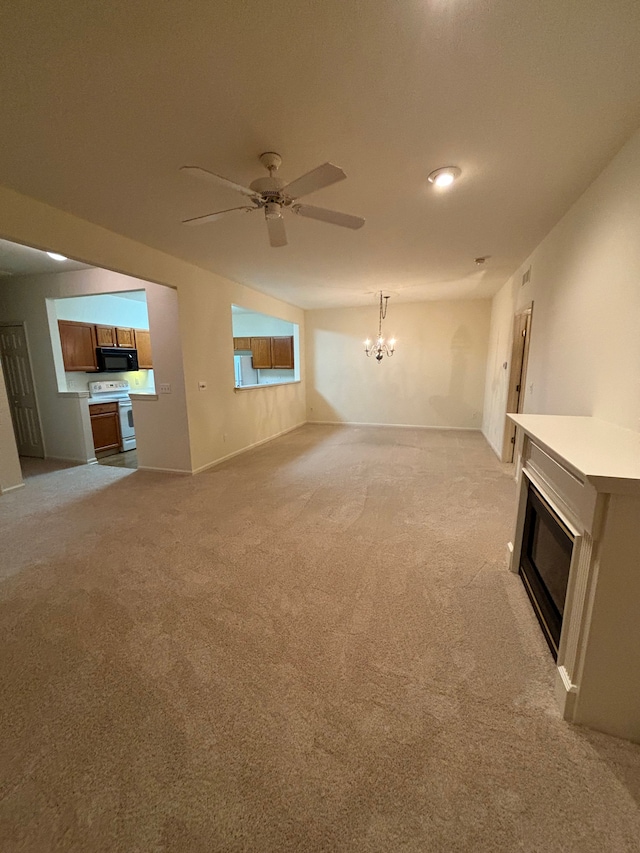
x=273 y=195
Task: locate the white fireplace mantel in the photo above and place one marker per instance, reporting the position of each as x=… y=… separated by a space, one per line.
x=589 y=473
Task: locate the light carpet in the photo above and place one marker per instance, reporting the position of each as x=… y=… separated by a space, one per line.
x=315 y=646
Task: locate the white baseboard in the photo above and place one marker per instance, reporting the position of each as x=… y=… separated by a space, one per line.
x=492 y=445
x=163 y=470
x=71 y=459
x=395 y=426
x=11 y=488
x=247 y=448
x=566 y=693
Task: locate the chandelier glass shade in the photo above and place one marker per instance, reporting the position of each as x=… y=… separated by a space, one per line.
x=379 y=348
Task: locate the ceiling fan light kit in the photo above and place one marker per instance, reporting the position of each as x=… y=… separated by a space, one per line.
x=273 y=196
x=444 y=176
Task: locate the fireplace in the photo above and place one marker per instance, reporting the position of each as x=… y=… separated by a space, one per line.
x=545 y=560
x=576 y=541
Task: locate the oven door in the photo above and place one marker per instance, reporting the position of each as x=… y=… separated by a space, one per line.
x=127 y=430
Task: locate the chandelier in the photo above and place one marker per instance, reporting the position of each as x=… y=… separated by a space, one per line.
x=379 y=348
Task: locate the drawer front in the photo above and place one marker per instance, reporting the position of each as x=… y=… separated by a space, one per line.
x=102 y=408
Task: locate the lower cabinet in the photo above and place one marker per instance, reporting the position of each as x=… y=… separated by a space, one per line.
x=105 y=426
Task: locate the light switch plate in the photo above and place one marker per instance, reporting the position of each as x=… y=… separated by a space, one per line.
x=164 y=387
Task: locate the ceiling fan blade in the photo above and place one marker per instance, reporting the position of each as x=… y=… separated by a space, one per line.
x=277 y=232
x=316 y=179
x=330 y=216
x=197 y=172
x=211 y=217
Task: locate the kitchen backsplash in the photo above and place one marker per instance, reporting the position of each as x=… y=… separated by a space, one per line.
x=140 y=381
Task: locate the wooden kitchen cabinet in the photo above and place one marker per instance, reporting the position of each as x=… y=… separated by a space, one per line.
x=125 y=337
x=241 y=343
x=261 y=353
x=271 y=352
x=78 y=345
x=105 y=336
x=143 y=345
x=115 y=336
x=282 y=352
x=105 y=426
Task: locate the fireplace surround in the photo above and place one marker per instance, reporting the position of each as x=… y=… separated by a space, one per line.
x=578 y=523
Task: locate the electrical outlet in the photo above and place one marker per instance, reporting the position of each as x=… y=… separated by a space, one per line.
x=164 y=387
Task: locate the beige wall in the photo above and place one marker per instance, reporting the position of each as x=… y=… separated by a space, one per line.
x=585 y=285
x=435 y=378
x=221 y=421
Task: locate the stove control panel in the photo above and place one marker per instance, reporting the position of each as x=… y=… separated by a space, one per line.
x=116 y=386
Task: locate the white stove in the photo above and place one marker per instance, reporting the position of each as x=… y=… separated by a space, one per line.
x=117 y=391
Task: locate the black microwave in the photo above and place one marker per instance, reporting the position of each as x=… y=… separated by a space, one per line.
x=116 y=359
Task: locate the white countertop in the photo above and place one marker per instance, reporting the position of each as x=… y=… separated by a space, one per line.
x=143 y=395
x=107 y=398
x=606 y=455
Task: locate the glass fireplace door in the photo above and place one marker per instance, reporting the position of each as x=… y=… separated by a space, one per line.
x=545 y=560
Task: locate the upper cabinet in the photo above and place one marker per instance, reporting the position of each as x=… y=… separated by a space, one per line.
x=270 y=352
x=282 y=352
x=79 y=342
x=78 y=345
x=115 y=336
x=241 y=343
x=125 y=338
x=143 y=345
x=105 y=336
x=261 y=353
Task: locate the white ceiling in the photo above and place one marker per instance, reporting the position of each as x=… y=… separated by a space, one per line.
x=101 y=103
x=17 y=260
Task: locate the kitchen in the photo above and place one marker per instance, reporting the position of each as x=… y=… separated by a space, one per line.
x=265 y=349
x=35 y=303
x=106 y=352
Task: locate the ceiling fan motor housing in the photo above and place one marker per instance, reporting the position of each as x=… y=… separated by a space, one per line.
x=267 y=186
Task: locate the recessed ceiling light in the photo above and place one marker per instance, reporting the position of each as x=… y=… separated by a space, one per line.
x=56 y=256
x=444 y=176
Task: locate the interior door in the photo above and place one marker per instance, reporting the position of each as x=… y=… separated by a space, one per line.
x=16 y=365
x=517 y=378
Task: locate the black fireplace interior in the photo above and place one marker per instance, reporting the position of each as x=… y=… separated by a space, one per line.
x=544 y=565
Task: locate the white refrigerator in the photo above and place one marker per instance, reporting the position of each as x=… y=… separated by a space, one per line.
x=246 y=374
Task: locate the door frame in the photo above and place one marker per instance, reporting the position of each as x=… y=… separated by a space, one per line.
x=517 y=383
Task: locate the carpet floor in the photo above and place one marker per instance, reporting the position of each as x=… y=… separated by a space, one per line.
x=315 y=646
